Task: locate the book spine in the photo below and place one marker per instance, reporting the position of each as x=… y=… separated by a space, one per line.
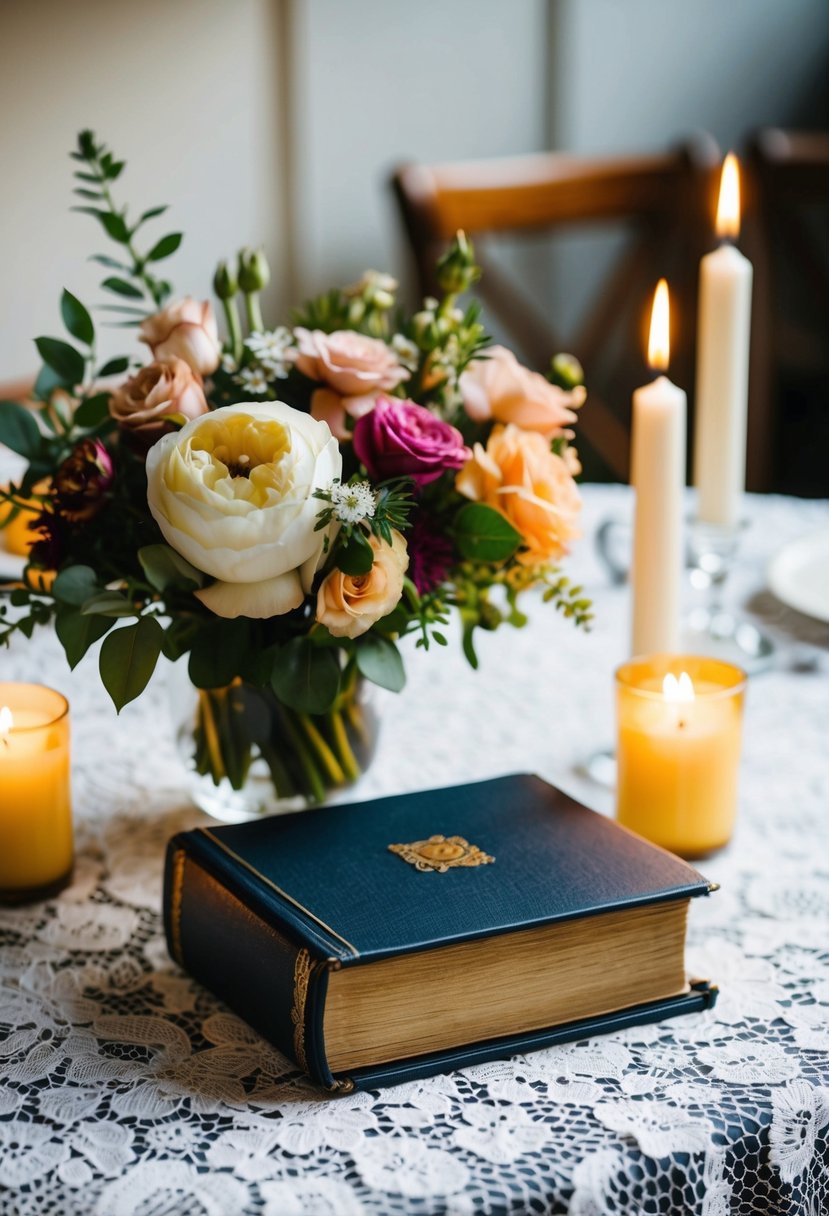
x=263 y=973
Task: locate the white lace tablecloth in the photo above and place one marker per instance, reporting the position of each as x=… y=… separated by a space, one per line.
x=127 y=1090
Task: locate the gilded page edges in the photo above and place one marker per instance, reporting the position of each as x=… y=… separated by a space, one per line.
x=302 y=978
x=176 y=896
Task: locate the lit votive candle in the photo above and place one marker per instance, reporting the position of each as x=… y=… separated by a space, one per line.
x=35 y=804
x=679 y=721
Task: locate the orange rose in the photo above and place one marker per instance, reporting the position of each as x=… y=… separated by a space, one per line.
x=349 y=604
x=144 y=403
x=351 y=364
x=519 y=476
x=184 y=330
x=498 y=387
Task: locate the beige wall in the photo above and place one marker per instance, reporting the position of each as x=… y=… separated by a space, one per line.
x=186 y=90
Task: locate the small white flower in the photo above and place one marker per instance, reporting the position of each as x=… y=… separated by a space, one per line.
x=270 y=343
x=353 y=503
x=253 y=379
x=229 y=364
x=407 y=352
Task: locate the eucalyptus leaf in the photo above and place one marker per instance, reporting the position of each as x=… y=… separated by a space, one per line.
x=484 y=534
x=115 y=225
x=75 y=585
x=165 y=568
x=18 y=429
x=76 y=633
x=114 y=367
x=76 y=318
x=109 y=603
x=128 y=658
x=122 y=288
x=306 y=677
x=93 y=411
x=378 y=659
x=166 y=246
x=62 y=358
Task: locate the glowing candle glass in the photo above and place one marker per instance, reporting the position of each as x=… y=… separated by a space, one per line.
x=35 y=804
x=679 y=721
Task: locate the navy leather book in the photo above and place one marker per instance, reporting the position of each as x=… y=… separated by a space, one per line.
x=397 y=938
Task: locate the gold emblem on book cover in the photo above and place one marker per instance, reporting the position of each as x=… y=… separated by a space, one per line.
x=441 y=853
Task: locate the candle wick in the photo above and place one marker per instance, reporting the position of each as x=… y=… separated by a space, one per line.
x=681 y=724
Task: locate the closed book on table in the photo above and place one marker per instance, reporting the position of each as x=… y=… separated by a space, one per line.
x=394 y=939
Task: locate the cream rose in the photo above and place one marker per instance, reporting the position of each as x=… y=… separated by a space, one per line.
x=232 y=492
x=350 y=363
x=144 y=403
x=498 y=387
x=185 y=330
x=518 y=475
x=349 y=604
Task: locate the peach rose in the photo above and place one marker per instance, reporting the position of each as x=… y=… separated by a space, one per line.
x=349 y=604
x=328 y=406
x=185 y=330
x=349 y=363
x=519 y=476
x=499 y=387
x=144 y=403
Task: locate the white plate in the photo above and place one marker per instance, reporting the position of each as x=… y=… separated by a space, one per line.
x=799 y=575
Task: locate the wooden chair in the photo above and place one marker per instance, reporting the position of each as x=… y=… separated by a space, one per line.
x=665 y=203
x=787 y=239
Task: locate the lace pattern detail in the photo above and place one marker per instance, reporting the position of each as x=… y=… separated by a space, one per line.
x=127 y=1090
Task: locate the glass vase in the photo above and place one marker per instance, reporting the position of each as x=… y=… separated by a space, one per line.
x=247 y=754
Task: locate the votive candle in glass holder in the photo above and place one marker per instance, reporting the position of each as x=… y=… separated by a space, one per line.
x=679 y=724
x=36 y=847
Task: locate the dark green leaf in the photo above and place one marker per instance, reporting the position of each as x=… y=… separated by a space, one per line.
x=95 y=195
x=115 y=366
x=122 y=288
x=128 y=659
x=165 y=568
x=62 y=358
x=125 y=308
x=103 y=259
x=93 y=411
x=87 y=177
x=378 y=659
x=484 y=534
x=164 y=247
x=179 y=636
x=18 y=429
x=46 y=383
x=306 y=677
x=77 y=633
x=109 y=603
x=75 y=585
x=114 y=169
x=152 y=213
x=115 y=225
x=218 y=652
x=356 y=555
x=76 y=318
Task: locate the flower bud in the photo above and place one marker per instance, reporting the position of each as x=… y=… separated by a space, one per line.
x=254 y=272
x=382 y=299
x=82 y=481
x=456 y=270
x=425 y=330
x=566 y=371
x=356 y=312
x=224 y=281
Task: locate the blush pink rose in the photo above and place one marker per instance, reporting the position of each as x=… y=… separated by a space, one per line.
x=402 y=439
x=351 y=364
x=498 y=388
x=185 y=330
x=144 y=403
x=328 y=406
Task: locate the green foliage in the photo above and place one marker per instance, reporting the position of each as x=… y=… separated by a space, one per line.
x=306 y=676
x=165 y=568
x=75 y=585
x=92 y=411
x=355 y=555
x=218 y=653
x=484 y=534
x=378 y=659
x=76 y=632
x=18 y=429
x=67 y=362
x=76 y=318
x=128 y=658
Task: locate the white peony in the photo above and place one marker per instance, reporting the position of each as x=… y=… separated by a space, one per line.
x=232 y=492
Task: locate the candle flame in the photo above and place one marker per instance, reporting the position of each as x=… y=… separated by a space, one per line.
x=6 y=723
x=659 y=342
x=676 y=691
x=728 y=207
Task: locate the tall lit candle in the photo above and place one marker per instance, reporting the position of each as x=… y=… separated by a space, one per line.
x=658 y=477
x=724 y=331
x=35 y=804
x=678 y=750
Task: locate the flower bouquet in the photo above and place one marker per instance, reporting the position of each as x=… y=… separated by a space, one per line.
x=283 y=506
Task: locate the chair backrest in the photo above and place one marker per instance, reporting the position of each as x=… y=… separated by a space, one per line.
x=787 y=239
x=663 y=202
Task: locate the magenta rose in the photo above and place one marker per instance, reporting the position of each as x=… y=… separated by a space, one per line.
x=402 y=439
